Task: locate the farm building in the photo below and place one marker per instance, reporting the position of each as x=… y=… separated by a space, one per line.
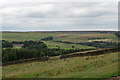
x=17 y=45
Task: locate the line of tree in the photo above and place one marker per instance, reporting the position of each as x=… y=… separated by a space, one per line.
x=95 y=38
x=97 y=44
x=38 y=49
x=101 y=44
x=14 y=54
x=47 y=38
x=26 y=44
x=31 y=49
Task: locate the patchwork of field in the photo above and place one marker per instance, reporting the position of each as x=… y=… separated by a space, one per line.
x=64 y=36
x=74 y=37
x=100 y=66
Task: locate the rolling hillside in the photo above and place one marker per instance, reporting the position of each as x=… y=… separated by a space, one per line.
x=101 y=66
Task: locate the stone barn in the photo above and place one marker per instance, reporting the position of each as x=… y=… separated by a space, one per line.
x=17 y=45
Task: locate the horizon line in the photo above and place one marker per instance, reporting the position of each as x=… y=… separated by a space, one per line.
x=65 y=31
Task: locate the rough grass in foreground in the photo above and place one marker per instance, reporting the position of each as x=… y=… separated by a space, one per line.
x=101 y=66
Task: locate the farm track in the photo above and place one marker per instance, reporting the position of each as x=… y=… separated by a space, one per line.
x=75 y=54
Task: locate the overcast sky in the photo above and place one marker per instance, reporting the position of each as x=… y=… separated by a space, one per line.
x=58 y=16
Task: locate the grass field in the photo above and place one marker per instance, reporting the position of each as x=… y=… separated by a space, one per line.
x=101 y=66
x=74 y=37
x=51 y=44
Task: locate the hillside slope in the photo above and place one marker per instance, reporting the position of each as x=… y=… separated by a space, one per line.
x=100 y=66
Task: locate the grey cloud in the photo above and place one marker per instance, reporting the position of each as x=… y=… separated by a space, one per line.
x=36 y=15
x=59 y=16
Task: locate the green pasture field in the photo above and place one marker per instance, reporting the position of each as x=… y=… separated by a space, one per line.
x=100 y=66
x=22 y=36
x=74 y=37
x=51 y=44
x=66 y=36
x=83 y=37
